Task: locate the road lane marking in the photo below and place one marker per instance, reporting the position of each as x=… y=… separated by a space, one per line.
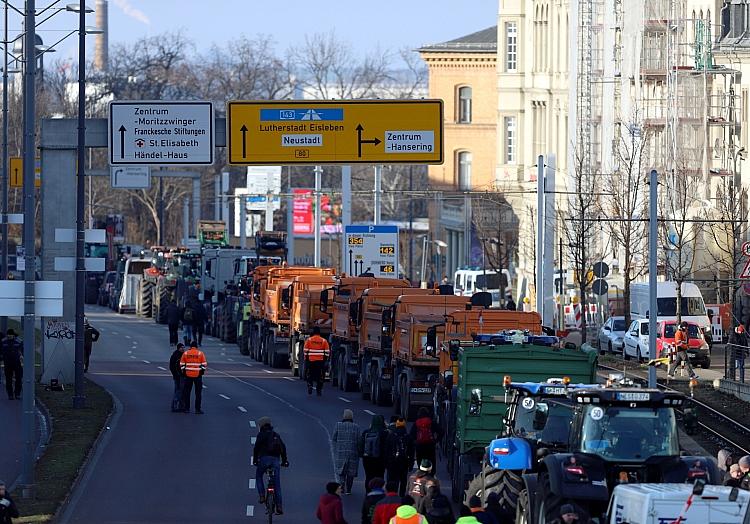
x=250 y=511
x=242 y=409
x=290 y=379
x=204 y=387
x=115 y=333
x=128 y=336
x=251 y=484
x=269 y=371
x=163 y=369
x=252 y=440
x=133 y=356
x=369 y=412
x=230 y=359
x=252 y=423
x=224 y=396
x=345 y=400
x=129 y=352
x=248 y=364
x=223 y=354
x=146 y=362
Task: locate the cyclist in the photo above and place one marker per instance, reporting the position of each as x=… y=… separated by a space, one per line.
x=269 y=453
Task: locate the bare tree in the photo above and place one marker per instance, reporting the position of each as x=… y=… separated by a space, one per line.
x=625 y=203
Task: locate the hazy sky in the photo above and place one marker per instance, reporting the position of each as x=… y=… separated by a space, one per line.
x=389 y=24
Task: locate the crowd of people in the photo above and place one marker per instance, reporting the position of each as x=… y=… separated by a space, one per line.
x=736 y=474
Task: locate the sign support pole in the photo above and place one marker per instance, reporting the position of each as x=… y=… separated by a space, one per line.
x=378 y=177
x=346 y=207
x=318 y=172
x=242 y=202
x=653 y=306
x=29 y=344
x=290 y=216
x=540 y=218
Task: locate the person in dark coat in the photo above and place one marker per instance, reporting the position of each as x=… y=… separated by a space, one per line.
x=436 y=506
x=174 y=368
x=173 y=321
x=90 y=335
x=734 y=476
x=425 y=434
x=330 y=509
x=199 y=322
x=509 y=304
x=375 y=494
x=738 y=344
x=269 y=452
x=372 y=446
x=399 y=455
x=12 y=354
x=8 y=510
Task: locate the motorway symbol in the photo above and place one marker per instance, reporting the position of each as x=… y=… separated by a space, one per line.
x=361 y=141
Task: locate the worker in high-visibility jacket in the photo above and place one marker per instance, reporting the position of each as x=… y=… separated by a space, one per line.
x=317 y=352
x=193 y=365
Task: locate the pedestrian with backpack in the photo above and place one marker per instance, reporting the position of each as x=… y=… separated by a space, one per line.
x=188 y=317
x=420 y=482
x=346 y=450
x=425 y=433
x=399 y=455
x=372 y=449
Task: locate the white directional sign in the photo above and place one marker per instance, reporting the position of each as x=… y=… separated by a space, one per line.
x=130 y=177
x=158 y=132
x=371 y=249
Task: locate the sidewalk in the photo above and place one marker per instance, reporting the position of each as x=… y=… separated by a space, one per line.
x=11 y=442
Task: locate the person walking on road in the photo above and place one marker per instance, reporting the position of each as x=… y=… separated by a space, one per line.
x=399 y=453
x=8 y=510
x=91 y=335
x=193 y=365
x=12 y=353
x=681 y=344
x=330 y=509
x=317 y=352
x=425 y=433
x=375 y=494
x=188 y=316
x=372 y=447
x=346 y=450
x=436 y=506
x=386 y=508
x=174 y=368
x=420 y=482
x=738 y=345
x=173 y=322
x=269 y=452
x=199 y=322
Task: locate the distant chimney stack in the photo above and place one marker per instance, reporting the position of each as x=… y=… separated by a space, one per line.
x=101 y=46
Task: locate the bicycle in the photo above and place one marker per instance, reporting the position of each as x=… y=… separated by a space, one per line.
x=270 y=493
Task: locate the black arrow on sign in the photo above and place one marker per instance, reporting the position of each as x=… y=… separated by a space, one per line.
x=361 y=141
x=244 y=140
x=122 y=141
x=351 y=267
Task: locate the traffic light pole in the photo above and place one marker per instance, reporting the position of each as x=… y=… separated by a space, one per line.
x=652 y=253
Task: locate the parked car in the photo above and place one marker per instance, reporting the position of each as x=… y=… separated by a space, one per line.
x=611 y=335
x=635 y=341
x=698 y=350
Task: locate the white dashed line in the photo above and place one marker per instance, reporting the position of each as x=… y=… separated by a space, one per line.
x=369 y=412
x=269 y=371
x=133 y=356
x=250 y=511
x=204 y=387
x=163 y=369
x=248 y=364
x=252 y=440
x=224 y=396
x=230 y=359
x=242 y=409
x=129 y=352
x=252 y=425
x=251 y=484
x=223 y=354
x=128 y=336
x=345 y=400
x=146 y=362
x=115 y=333
x=289 y=379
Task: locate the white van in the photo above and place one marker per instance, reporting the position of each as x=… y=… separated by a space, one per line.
x=693 y=308
x=466 y=282
x=664 y=503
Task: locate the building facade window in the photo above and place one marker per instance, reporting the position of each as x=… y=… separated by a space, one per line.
x=511 y=47
x=511 y=139
x=464 y=170
x=464 y=105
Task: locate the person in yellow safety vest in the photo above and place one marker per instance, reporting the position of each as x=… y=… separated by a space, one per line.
x=408 y=515
x=193 y=365
x=317 y=352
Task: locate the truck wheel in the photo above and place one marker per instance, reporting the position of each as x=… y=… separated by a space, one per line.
x=342 y=371
x=456 y=488
x=380 y=398
x=300 y=349
x=405 y=400
x=279 y=360
x=244 y=350
x=293 y=361
x=494 y=482
x=549 y=505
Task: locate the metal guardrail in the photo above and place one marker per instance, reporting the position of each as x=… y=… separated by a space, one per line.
x=714 y=412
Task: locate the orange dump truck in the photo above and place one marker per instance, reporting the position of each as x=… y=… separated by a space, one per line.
x=344 y=326
x=304 y=306
x=252 y=323
x=374 y=344
x=276 y=326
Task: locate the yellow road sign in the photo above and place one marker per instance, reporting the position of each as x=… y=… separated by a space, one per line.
x=15 y=172
x=335 y=132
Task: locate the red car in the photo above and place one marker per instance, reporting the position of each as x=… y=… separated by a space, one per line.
x=698 y=350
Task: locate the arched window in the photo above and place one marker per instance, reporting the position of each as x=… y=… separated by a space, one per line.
x=464 y=170
x=464 y=105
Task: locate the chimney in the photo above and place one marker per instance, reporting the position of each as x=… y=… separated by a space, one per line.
x=101 y=45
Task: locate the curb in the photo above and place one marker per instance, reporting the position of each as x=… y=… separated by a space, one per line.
x=63 y=513
x=45 y=431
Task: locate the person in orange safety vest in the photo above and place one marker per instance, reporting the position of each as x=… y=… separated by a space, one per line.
x=193 y=365
x=317 y=352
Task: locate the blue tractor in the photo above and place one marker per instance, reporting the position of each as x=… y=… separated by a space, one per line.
x=618 y=435
x=537 y=422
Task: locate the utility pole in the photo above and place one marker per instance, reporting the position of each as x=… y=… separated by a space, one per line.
x=316 y=219
x=652 y=253
x=4 y=225
x=540 y=229
x=378 y=195
x=411 y=225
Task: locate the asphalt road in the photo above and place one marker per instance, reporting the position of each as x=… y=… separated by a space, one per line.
x=11 y=441
x=158 y=466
